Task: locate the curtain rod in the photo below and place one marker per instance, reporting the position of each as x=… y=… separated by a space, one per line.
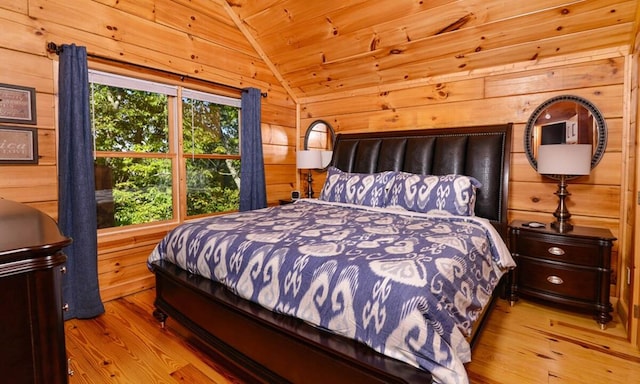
x=57 y=49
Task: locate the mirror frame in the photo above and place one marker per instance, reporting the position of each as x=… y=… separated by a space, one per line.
x=310 y=129
x=601 y=127
x=330 y=131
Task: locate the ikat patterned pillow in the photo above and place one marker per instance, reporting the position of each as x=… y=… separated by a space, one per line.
x=368 y=189
x=448 y=194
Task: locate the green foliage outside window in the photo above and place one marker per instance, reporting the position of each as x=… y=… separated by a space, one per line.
x=129 y=120
x=141 y=189
x=139 y=184
x=209 y=128
x=213 y=185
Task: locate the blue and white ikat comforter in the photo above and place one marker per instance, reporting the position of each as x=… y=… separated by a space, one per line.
x=408 y=285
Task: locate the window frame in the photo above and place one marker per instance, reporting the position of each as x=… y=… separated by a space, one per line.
x=175 y=90
x=218 y=99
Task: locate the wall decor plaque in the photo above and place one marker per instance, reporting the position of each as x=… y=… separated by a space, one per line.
x=18 y=145
x=17 y=104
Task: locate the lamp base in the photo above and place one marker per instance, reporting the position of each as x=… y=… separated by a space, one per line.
x=562 y=226
x=562 y=214
x=309 y=185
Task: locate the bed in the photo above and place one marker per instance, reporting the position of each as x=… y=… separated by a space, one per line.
x=273 y=293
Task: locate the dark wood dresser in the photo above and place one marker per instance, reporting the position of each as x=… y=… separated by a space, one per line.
x=570 y=269
x=32 y=341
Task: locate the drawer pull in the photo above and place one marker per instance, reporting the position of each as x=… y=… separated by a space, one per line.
x=555 y=280
x=556 y=251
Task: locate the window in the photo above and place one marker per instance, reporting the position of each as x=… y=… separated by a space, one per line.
x=140 y=161
x=211 y=148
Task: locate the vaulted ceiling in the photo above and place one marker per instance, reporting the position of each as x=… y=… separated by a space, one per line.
x=321 y=47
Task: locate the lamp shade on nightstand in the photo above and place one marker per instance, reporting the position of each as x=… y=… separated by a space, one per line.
x=564 y=159
x=309 y=159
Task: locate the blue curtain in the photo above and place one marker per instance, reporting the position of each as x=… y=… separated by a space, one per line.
x=76 y=186
x=253 y=192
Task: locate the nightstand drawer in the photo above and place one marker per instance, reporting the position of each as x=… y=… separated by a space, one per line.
x=557 y=248
x=570 y=268
x=558 y=279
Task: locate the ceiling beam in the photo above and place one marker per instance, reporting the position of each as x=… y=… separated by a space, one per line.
x=245 y=31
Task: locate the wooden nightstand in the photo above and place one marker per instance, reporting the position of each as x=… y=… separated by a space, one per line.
x=571 y=269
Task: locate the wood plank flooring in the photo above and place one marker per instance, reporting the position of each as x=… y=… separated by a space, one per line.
x=527 y=343
x=534 y=343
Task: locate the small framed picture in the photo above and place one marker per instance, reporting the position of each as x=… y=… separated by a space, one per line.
x=17 y=104
x=18 y=145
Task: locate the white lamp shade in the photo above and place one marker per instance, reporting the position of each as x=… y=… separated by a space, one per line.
x=326 y=158
x=564 y=159
x=310 y=159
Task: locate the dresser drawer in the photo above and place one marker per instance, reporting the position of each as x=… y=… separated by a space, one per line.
x=559 y=248
x=557 y=279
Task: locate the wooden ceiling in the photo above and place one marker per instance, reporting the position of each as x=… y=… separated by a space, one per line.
x=317 y=48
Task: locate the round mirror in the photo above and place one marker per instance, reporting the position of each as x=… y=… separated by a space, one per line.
x=565 y=119
x=320 y=136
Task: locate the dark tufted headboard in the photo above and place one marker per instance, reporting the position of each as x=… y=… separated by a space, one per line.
x=481 y=151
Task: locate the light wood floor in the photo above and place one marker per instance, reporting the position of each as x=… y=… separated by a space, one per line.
x=527 y=343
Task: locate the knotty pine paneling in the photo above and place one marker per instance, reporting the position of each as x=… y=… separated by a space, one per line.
x=275 y=173
x=512 y=108
x=29 y=183
x=122 y=259
x=365 y=44
x=351 y=76
x=462 y=90
x=121 y=272
x=136 y=278
x=630 y=296
x=605 y=173
x=508 y=95
x=142 y=8
x=47 y=154
x=137 y=40
x=561 y=78
x=25 y=68
x=18 y=31
x=278 y=135
x=278 y=154
x=539 y=197
x=190 y=18
x=40 y=193
x=27 y=176
x=192 y=38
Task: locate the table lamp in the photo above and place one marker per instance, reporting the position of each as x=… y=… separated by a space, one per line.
x=563 y=161
x=309 y=159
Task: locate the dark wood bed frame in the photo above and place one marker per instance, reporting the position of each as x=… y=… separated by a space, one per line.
x=261 y=346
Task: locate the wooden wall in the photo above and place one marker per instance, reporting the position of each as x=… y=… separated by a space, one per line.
x=206 y=44
x=630 y=293
x=510 y=94
x=168 y=35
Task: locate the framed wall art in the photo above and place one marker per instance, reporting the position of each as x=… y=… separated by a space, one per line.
x=18 y=145
x=17 y=104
